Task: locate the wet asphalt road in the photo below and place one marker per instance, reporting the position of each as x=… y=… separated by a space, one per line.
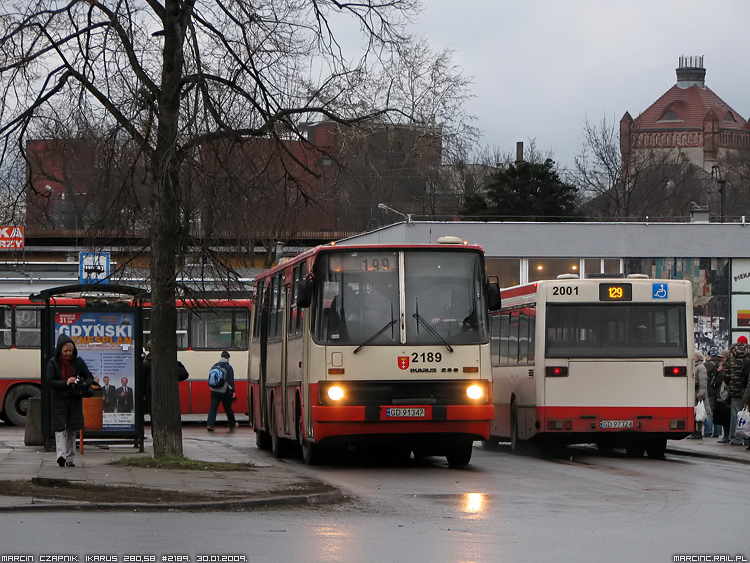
x=582 y=507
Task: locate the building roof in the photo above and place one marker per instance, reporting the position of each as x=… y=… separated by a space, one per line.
x=688 y=108
x=581 y=240
x=689 y=103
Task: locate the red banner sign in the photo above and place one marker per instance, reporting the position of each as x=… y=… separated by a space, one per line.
x=11 y=238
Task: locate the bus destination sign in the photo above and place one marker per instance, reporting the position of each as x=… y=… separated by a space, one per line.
x=615 y=292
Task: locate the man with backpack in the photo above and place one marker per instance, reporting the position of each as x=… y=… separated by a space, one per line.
x=221 y=382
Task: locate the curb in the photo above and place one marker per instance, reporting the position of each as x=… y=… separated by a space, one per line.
x=329 y=497
x=708 y=455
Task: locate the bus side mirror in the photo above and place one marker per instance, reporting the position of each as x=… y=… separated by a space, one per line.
x=304 y=293
x=493 y=295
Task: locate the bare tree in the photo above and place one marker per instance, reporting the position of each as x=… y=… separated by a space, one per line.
x=734 y=171
x=173 y=76
x=656 y=183
x=396 y=158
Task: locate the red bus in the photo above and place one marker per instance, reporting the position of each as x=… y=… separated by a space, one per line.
x=204 y=329
x=347 y=351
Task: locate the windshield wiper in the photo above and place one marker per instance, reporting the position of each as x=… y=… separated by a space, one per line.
x=432 y=331
x=374 y=336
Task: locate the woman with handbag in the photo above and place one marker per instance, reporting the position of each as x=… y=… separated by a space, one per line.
x=69 y=378
x=703 y=407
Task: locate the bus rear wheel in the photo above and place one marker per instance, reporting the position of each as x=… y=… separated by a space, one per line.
x=656 y=448
x=17 y=403
x=517 y=446
x=276 y=448
x=635 y=449
x=262 y=439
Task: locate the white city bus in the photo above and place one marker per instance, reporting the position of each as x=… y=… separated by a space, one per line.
x=605 y=361
x=347 y=351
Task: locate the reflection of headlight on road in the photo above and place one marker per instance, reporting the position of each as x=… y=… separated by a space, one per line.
x=473 y=502
x=335 y=393
x=474 y=392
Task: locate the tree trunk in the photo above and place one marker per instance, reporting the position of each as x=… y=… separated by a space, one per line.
x=166 y=426
x=166 y=423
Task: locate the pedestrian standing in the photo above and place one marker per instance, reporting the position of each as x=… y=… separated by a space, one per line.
x=739 y=356
x=701 y=394
x=223 y=394
x=721 y=406
x=66 y=375
x=713 y=383
x=746 y=394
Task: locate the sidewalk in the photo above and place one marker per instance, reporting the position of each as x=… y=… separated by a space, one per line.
x=709 y=448
x=267 y=483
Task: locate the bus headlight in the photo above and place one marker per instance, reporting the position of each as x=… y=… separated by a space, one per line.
x=474 y=392
x=335 y=393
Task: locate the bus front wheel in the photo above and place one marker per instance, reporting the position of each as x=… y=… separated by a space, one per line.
x=310 y=451
x=460 y=453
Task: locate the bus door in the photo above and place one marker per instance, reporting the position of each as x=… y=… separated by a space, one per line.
x=265 y=299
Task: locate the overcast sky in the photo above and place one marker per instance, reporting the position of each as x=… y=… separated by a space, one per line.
x=541 y=67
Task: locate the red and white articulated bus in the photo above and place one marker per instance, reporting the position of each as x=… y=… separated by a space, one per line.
x=604 y=361
x=347 y=350
x=204 y=328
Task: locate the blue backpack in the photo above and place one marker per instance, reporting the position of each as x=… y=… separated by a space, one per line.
x=217 y=377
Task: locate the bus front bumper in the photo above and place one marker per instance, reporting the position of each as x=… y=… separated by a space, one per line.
x=473 y=420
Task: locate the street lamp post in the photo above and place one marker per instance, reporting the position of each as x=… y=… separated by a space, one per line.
x=385 y=207
x=716 y=175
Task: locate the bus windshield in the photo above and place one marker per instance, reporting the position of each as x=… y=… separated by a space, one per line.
x=616 y=331
x=359 y=299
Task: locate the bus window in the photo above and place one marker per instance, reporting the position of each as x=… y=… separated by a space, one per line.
x=222 y=329
x=182 y=328
x=241 y=330
x=259 y=306
x=294 y=324
x=28 y=327
x=358 y=297
x=6 y=326
x=277 y=306
x=504 y=331
x=622 y=331
x=444 y=293
x=525 y=336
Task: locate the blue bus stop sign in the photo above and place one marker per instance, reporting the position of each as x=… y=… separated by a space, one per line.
x=93 y=267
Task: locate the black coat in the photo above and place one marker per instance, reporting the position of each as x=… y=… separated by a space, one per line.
x=66 y=406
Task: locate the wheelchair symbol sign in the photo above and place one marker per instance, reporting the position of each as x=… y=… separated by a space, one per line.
x=660 y=291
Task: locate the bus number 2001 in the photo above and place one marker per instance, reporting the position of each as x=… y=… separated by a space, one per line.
x=426 y=357
x=565 y=290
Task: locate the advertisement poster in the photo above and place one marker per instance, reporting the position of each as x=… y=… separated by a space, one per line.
x=11 y=238
x=104 y=339
x=740 y=275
